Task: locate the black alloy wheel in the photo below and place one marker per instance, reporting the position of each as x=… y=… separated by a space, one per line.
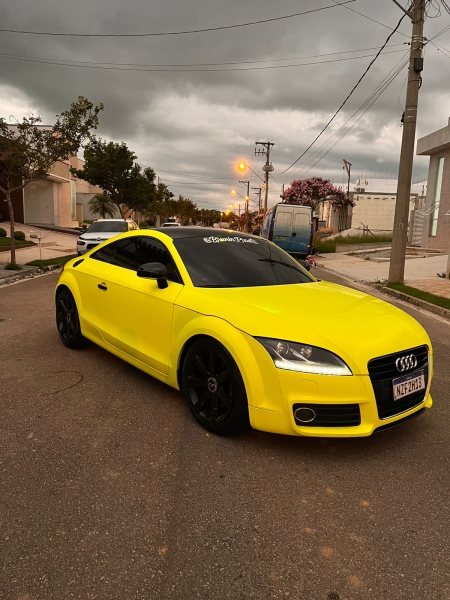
x=2 y=216
x=214 y=389
x=68 y=321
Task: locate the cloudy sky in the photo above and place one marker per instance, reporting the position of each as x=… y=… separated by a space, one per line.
x=194 y=121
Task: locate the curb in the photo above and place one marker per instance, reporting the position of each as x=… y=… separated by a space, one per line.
x=432 y=308
x=31 y=274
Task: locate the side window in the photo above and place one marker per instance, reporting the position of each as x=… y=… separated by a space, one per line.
x=135 y=251
x=106 y=254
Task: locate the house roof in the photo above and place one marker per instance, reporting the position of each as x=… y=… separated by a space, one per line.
x=434 y=142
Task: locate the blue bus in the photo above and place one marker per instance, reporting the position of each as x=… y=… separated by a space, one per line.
x=291 y=227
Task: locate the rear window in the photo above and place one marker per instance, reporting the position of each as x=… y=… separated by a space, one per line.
x=228 y=260
x=108 y=226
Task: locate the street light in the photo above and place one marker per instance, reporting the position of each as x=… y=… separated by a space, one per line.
x=242 y=166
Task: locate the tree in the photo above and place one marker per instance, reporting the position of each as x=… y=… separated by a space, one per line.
x=185 y=210
x=161 y=204
x=315 y=191
x=209 y=216
x=113 y=167
x=102 y=205
x=28 y=150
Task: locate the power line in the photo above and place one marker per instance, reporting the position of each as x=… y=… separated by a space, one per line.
x=52 y=33
x=194 y=176
x=193 y=183
x=441 y=49
x=371 y=19
x=362 y=111
x=87 y=66
x=351 y=92
x=217 y=64
x=338 y=135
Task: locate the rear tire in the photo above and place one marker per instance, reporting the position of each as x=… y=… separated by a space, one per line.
x=214 y=389
x=2 y=216
x=68 y=321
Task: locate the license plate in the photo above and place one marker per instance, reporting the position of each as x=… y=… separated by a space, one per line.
x=404 y=386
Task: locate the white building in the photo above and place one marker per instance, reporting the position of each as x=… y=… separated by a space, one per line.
x=375 y=203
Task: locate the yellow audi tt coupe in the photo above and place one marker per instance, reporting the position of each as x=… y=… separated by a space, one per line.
x=247 y=333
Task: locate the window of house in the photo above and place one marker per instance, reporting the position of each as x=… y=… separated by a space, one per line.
x=437 y=199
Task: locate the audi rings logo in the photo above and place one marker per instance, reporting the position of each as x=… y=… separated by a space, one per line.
x=406 y=363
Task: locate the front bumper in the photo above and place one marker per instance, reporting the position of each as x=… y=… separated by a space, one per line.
x=298 y=388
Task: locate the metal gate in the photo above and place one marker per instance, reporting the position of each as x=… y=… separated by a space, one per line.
x=417 y=234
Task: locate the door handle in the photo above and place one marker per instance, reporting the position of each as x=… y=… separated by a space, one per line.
x=102 y=286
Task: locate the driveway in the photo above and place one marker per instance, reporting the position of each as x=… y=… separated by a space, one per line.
x=53 y=244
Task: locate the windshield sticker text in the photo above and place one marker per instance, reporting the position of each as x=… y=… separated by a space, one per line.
x=217 y=240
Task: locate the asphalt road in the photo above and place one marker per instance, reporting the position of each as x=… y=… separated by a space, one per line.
x=109 y=490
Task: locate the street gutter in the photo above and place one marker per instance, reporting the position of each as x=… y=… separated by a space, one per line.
x=29 y=274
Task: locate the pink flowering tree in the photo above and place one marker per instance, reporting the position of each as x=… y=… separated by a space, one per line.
x=315 y=191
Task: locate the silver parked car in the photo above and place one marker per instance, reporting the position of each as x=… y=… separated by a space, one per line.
x=102 y=230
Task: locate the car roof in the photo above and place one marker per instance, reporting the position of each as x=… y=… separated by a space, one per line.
x=107 y=220
x=188 y=232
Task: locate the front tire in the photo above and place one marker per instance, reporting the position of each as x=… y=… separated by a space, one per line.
x=68 y=321
x=214 y=389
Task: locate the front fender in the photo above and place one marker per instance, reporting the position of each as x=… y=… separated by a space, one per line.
x=68 y=280
x=254 y=363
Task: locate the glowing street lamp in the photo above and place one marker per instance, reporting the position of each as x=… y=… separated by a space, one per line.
x=242 y=167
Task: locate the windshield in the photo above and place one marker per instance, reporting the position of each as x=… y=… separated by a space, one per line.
x=237 y=260
x=108 y=226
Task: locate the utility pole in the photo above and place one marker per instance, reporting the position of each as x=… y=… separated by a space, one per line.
x=247 y=198
x=258 y=195
x=347 y=166
x=267 y=168
x=343 y=211
x=400 y=233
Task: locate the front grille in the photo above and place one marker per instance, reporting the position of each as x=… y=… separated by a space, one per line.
x=331 y=415
x=90 y=246
x=383 y=370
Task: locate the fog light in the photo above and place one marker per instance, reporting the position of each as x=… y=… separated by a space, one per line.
x=304 y=415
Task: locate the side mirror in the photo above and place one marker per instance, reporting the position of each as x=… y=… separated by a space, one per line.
x=305 y=265
x=156 y=271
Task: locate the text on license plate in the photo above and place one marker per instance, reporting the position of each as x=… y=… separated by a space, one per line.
x=404 y=386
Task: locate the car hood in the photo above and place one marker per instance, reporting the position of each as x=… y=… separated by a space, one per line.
x=101 y=235
x=354 y=325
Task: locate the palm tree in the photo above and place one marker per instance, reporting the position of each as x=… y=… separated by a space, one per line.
x=102 y=205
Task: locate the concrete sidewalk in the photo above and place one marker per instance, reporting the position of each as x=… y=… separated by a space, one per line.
x=420 y=273
x=53 y=244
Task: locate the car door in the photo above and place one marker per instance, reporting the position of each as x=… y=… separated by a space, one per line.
x=301 y=232
x=282 y=229
x=133 y=314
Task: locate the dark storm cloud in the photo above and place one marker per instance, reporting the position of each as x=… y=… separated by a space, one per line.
x=200 y=123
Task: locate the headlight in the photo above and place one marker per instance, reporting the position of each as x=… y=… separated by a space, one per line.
x=80 y=242
x=292 y=356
